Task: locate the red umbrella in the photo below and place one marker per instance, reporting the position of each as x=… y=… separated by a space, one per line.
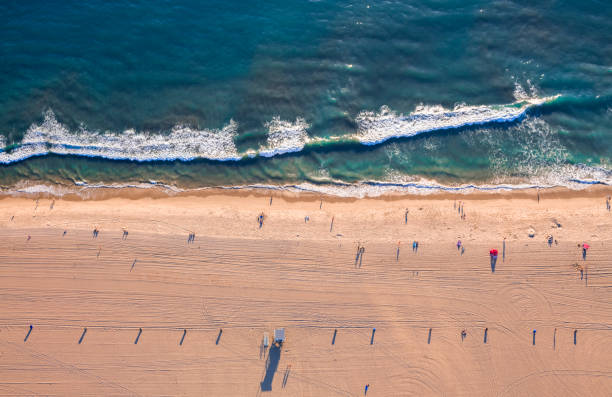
x=585 y=246
x=493 y=252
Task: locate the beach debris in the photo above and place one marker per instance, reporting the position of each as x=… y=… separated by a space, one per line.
x=531 y=232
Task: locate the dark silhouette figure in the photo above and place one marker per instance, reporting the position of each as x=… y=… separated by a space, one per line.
x=334 y=337
x=429 y=337
x=575 y=332
x=366 y=389
x=493 y=262
x=183 y=337
x=534 y=333
x=271 y=367
x=372 y=338
x=218 y=337
x=28 y=334
x=485 y=335
x=406 y=217
x=138 y=336
x=133 y=264
x=463 y=335
x=83 y=335
x=584 y=251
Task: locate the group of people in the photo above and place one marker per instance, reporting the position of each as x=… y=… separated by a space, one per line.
x=191 y=238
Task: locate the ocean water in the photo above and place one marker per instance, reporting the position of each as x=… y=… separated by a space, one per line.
x=347 y=97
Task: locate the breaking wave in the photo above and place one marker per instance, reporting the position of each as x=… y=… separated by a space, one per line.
x=375 y=128
x=184 y=143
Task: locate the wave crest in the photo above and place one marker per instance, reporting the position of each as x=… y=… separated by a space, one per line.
x=285 y=136
x=377 y=127
x=185 y=143
x=182 y=143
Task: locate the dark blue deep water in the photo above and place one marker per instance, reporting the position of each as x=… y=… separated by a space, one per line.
x=205 y=93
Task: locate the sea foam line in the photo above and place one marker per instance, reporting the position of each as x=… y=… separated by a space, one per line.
x=573 y=177
x=184 y=143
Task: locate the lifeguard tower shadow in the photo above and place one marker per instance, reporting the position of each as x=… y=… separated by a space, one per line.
x=271 y=367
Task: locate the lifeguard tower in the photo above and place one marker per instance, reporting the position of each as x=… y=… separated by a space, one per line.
x=279 y=336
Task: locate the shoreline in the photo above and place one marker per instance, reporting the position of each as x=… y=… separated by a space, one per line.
x=305 y=191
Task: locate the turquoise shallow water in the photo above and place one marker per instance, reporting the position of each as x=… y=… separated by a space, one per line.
x=195 y=94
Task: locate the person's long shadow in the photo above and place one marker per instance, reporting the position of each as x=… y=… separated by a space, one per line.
x=271 y=367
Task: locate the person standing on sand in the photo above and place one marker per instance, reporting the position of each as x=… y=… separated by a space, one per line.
x=366 y=389
x=458 y=245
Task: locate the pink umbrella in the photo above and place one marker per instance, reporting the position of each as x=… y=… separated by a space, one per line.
x=585 y=246
x=493 y=252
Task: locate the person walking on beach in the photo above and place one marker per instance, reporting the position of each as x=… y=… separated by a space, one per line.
x=458 y=245
x=397 y=255
x=585 y=247
x=493 y=254
x=366 y=389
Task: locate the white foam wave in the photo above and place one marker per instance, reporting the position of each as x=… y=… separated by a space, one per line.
x=377 y=127
x=185 y=143
x=182 y=143
x=285 y=137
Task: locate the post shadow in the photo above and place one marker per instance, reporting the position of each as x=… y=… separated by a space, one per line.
x=485 y=335
x=429 y=337
x=138 y=336
x=334 y=338
x=82 y=335
x=28 y=334
x=372 y=338
x=183 y=337
x=286 y=377
x=219 y=336
x=271 y=367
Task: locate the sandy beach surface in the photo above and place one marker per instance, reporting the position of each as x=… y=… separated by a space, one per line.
x=168 y=317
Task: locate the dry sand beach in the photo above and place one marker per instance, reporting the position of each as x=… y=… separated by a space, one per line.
x=167 y=317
